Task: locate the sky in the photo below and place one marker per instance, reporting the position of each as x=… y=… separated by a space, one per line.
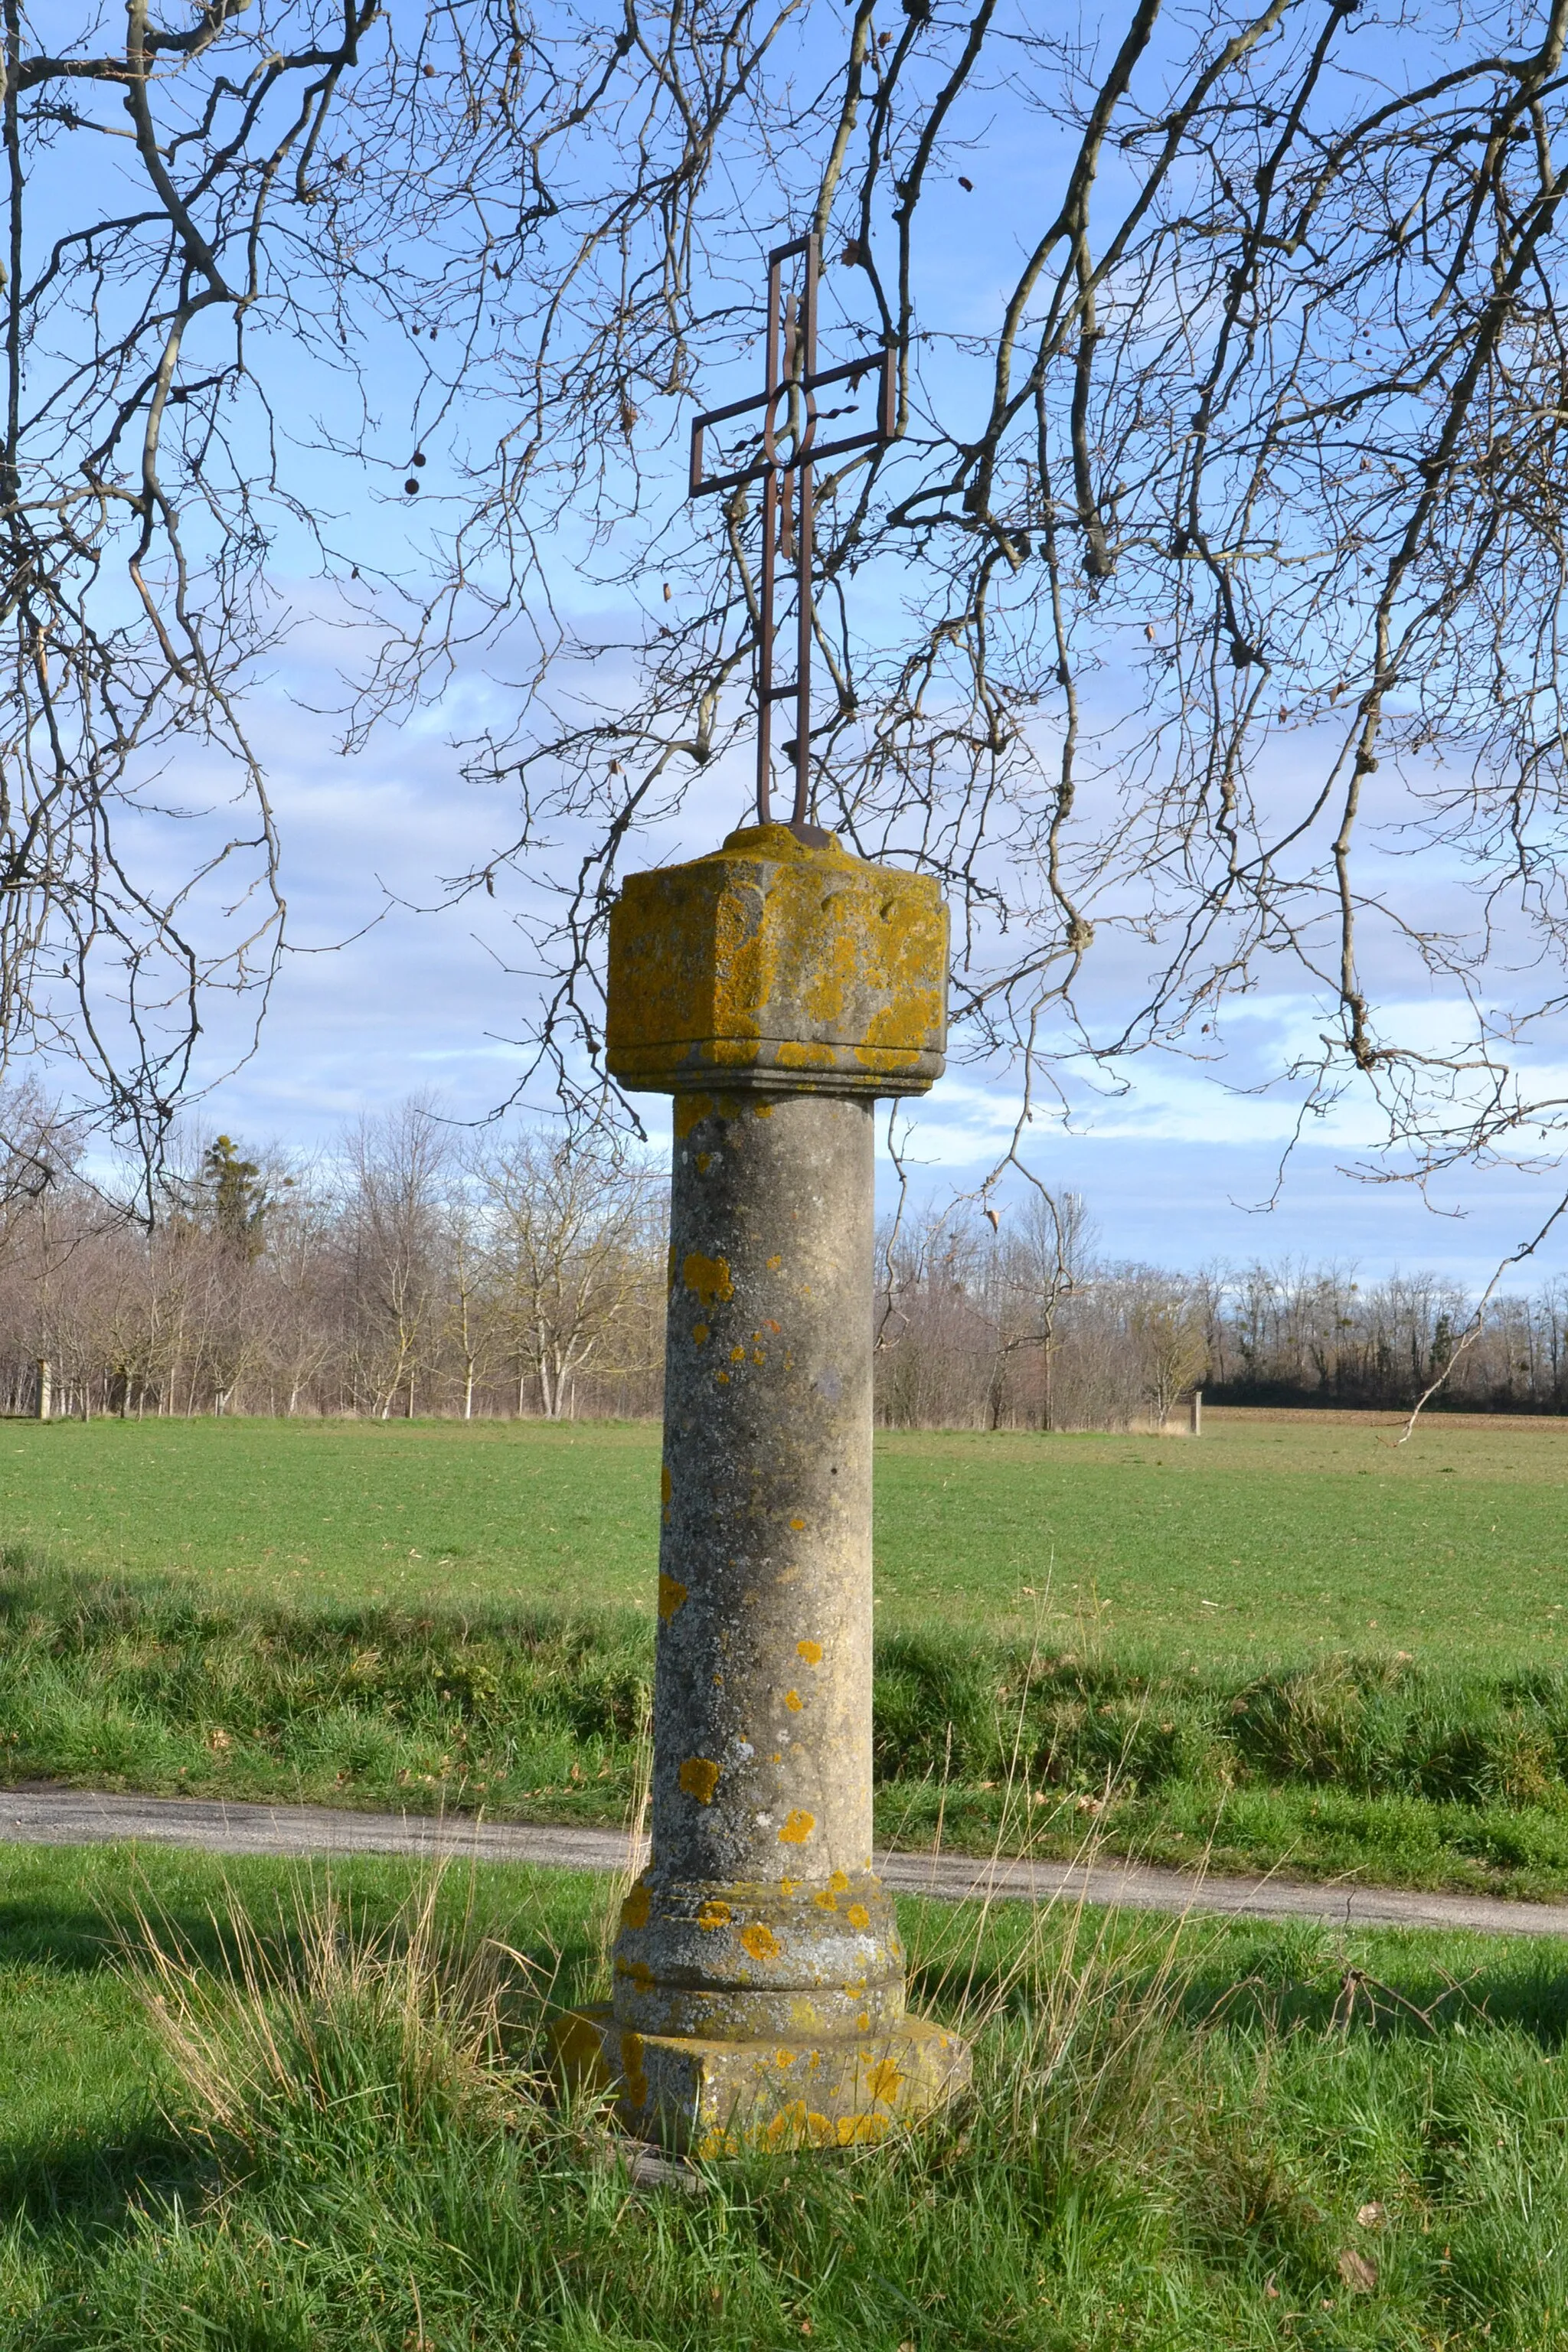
x=1177 y=1168
x=1179 y=1160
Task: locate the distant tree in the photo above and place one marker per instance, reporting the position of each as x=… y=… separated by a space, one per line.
x=1174 y=1344
x=237 y=1197
x=393 y=1171
x=570 y=1216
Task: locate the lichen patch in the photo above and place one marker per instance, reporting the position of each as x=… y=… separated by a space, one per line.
x=672 y=1595
x=699 y=1776
x=707 y=1278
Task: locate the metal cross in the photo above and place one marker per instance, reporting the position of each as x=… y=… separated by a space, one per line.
x=787 y=451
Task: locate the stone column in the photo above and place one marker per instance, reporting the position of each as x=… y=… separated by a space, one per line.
x=43 y=1406
x=776 y=989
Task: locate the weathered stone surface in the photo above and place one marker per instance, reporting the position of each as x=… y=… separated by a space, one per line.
x=777 y=963
x=717 y=2097
x=758 y=1912
x=775 y=989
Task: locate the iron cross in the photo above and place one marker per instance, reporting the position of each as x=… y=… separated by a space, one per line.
x=787 y=452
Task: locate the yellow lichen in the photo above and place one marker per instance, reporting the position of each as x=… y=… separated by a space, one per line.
x=810 y=1651
x=688 y=1110
x=858 y=1915
x=713 y=1914
x=882 y=2081
x=798 y=1826
x=671 y=1594
x=634 y=1910
x=760 y=1941
x=700 y=1334
x=861 y=2131
x=794 y=1701
x=699 y=1776
x=632 y=2072
x=826 y=1900
x=707 y=1278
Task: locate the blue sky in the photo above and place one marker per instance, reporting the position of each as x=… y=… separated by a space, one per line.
x=1177 y=1167
x=1176 y=1156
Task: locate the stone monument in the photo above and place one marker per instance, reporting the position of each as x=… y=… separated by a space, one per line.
x=776 y=987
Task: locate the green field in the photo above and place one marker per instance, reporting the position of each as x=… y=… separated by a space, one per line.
x=1281 y=1539
x=1285 y=1647
x=1184 y=2138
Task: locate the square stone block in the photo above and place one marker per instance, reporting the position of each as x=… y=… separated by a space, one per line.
x=778 y=964
x=719 y=2099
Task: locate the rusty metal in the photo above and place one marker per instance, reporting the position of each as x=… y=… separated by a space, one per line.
x=788 y=453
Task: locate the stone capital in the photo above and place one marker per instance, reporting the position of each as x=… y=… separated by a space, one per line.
x=774 y=963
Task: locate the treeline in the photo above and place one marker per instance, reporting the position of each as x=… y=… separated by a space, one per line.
x=411 y=1270
x=419 y=1268
x=1009 y=1317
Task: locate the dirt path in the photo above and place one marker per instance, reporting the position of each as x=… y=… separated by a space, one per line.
x=82 y=1817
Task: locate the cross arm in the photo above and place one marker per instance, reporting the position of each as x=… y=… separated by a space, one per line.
x=879 y=435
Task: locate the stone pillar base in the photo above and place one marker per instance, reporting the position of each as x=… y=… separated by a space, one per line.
x=720 y=2098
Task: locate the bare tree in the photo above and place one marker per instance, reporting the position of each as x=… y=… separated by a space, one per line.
x=1223 y=538
x=1046 y=1257
x=394 y=1168
x=570 y=1218
x=177 y=227
x=1174 y=1343
x=471 y=1318
x=1228 y=529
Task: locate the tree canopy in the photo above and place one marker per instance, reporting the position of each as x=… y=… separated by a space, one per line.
x=1204 y=622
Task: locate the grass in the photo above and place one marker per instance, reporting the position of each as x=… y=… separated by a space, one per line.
x=1409 y=1775
x=1280 y=1539
x=298 y=2115
x=1288 y=1645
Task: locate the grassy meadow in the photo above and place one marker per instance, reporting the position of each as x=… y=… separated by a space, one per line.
x=1270 y=1537
x=1286 y=1646
x=248 y=2109
x=257 y=2107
